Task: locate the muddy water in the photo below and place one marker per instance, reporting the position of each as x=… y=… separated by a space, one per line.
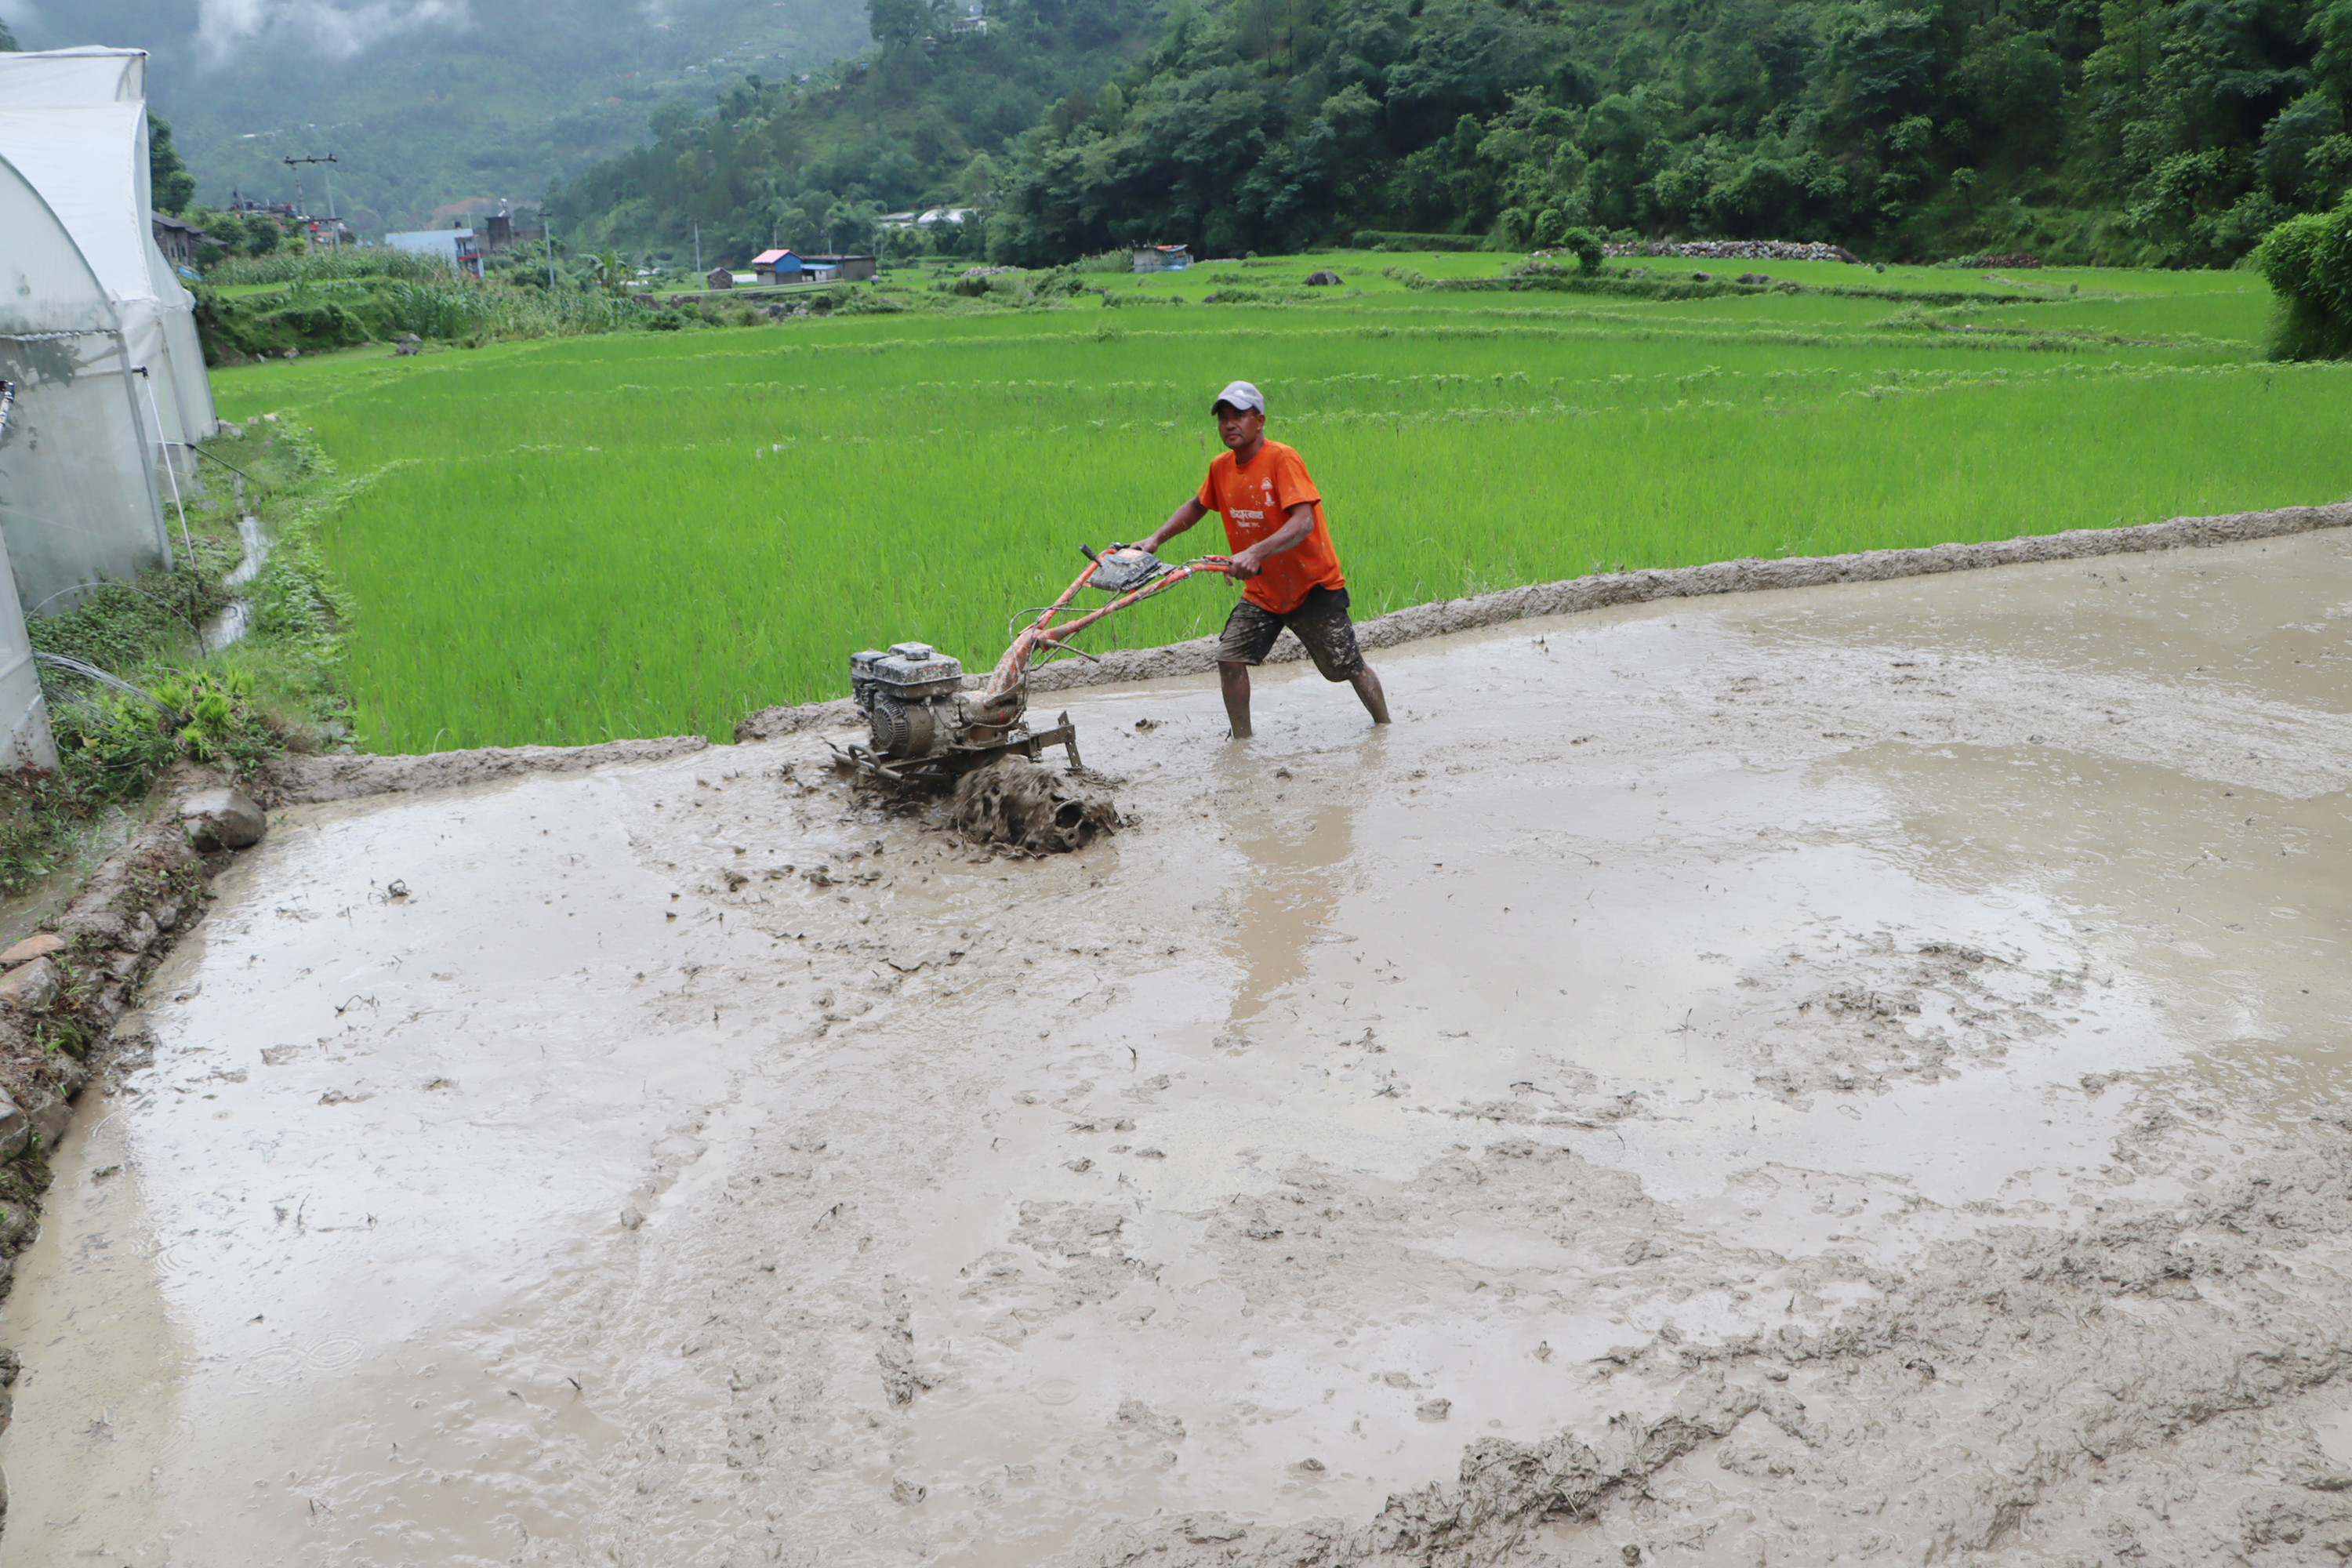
x=691 y=1164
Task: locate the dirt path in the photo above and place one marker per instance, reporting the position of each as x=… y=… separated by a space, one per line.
x=1843 y=1075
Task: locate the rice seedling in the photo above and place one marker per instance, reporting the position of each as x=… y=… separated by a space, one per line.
x=583 y=538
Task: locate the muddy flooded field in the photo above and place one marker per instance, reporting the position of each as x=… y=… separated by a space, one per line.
x=1852 y=1075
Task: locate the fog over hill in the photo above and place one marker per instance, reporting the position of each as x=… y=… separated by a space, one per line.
x=429 y=104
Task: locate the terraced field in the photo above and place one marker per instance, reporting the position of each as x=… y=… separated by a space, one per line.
x=640 y=533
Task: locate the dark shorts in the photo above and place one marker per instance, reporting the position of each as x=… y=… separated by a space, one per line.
x=1321 y=624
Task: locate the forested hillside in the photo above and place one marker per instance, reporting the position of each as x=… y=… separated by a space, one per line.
x=809 y=164
x=2158 y=130
x=2174 y=130
x=426 y=103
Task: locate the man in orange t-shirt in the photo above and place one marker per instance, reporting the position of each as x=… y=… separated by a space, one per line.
x=1282 y=550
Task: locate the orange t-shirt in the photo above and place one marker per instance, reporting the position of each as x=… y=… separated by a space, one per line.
x=1255 y=501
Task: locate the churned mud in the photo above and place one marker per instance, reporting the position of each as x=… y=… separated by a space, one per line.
x=1044 y=810
x=1846 y=1074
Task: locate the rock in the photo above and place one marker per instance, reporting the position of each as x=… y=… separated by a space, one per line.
x=1323 y=280
x=32 y=987
x=31 y=948
x=15 y=1128
x=406 y=343
x=49 y=1122
x=1754 y=277
x=1702 y=277
x=222 y=819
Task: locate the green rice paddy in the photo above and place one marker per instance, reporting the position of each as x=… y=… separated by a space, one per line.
x=578 y=538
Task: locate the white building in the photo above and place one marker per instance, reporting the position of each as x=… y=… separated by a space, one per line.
x=456 y=246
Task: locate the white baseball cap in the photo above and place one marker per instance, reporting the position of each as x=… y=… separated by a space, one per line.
x=1243 y=395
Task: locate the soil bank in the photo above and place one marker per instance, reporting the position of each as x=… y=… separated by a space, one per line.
x=1852 y=1074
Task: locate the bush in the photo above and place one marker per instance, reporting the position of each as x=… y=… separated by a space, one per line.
x=1585 y=246
x=2307 y=261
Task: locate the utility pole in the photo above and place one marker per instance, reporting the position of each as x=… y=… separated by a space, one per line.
x=698 y=251
x=293 y=164
x=547 y=221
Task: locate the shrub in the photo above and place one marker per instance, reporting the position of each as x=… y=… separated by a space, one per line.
x=1585 y=246
x=2307 y=261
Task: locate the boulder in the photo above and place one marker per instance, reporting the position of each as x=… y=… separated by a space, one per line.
x=31 y=948
x=31 y=987
x=1702 y=277
x=1754 y=277
x=222 y=819
x=15 y=1128
x=1323 y=280
x=407 y=343
x=51 y=1118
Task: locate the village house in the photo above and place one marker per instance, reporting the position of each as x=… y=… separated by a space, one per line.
x=1161 y=258
x=457 y=244
x=500 y=231
x=848 y=268
x=779 y=267
x=721 y=277
x=182 y=244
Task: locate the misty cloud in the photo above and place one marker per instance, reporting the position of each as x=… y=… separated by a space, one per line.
x=327 y=29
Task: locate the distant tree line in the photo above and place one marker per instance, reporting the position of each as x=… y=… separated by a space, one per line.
x=813 y=164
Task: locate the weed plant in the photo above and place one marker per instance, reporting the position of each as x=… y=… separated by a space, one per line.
x=576 y=540
x=232 y=708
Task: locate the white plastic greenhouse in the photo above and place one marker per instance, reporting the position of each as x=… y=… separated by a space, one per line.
x=98 y=351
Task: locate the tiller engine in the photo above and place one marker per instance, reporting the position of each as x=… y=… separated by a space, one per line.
x=927 y=730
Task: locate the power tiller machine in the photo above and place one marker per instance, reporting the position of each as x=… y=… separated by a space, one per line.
x=929 y=731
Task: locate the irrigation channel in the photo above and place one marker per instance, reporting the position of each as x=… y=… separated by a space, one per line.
x=1852 y=1074
x=229 y=625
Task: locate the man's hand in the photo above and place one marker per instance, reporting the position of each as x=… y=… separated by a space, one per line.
x=1295 y=527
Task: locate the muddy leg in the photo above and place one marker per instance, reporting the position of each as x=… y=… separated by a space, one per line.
x=1234 y=680
x=1367 y=687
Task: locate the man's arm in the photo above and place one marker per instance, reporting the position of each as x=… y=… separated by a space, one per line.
x=1293 y=533
x=1183 y=517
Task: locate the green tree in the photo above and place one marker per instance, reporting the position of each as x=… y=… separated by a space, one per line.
x=172 y=185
